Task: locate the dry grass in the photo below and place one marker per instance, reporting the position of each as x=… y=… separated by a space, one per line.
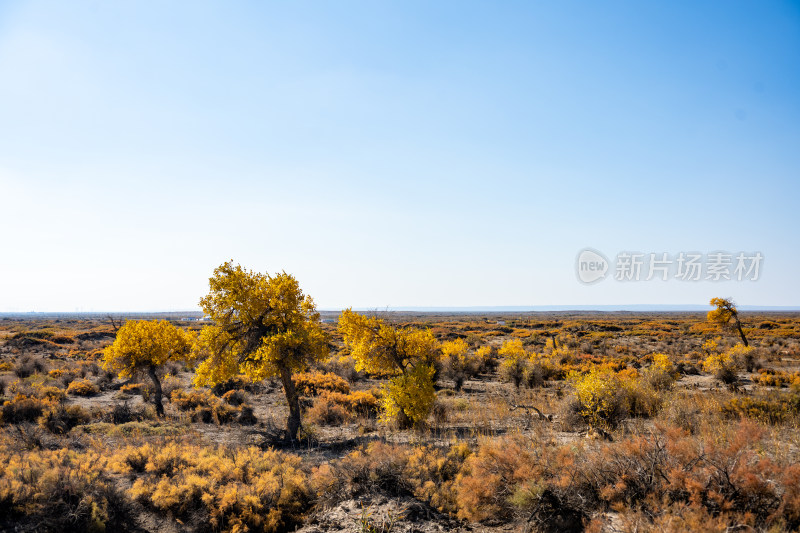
x=679 y=450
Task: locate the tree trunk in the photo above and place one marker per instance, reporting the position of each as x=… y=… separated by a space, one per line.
x=741 y=332
x=293 y=422
x=151 y=371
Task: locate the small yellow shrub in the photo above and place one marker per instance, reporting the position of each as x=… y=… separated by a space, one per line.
x=600 y=395
x=661 y=373
x=50 y=393
x=238 y=490
x=774 y=408
x=606 y=397
x=65 y=489
x=776 y=378
x=733 y=358
x=132 y=388
x=187 y=401
x=432 y=475
x=82 y=387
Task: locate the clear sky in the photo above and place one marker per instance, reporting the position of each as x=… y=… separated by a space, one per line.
x=407 y=153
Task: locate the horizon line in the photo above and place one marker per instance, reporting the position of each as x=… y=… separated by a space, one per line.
x=446 y=309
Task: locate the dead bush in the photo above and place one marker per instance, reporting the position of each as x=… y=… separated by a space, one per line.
x=326 y=412
x=24 y=408
x=28 y=365
x=377 y=468
x=60 y=419
x=123 y=412
x=234 y=397
x=246 y=416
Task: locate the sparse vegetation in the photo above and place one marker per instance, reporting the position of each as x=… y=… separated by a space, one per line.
x=554 y=422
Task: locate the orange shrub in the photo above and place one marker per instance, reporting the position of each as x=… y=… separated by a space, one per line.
x=314 y=383
x=187 y=401
x=492 y=476
x=228 y=489
x=331 y=408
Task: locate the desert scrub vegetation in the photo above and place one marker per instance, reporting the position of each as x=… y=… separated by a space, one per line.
x=314 y=383
x=674 y=451
x=532 y=369
x=427 y=473
x=605 y=397
x=331 y=408
x=234 y=490
x=82 y=387
x=778 y=407
x=59 y=490
x=561 y=487
x=768 y=377
x=203 y=406
x=459 y=363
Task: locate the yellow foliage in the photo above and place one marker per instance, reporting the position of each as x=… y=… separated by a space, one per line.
x=432 y=474
x=731 y=358
x=263 y=326
x=142 y=344
x=711 y=346
x=410 y=395
x=662 y=363
x=82 y=387
x=723 y=311
x=458 y=363
x=513 y=350
x=486 y=356
x=312 y=383
x=456 y=349
x=379 y=348
x=66 y=489
x=240 y=490
x=776 y=378
x=598 y=393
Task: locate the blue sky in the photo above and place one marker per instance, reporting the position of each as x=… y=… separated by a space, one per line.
x=393 y=153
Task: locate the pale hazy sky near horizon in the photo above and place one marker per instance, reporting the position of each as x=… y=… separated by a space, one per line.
x=394 y=153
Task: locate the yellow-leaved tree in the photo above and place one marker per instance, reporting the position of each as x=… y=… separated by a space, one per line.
x=457 y=365
x=146 y=345
x=724 y=311
x=407 y=354
x=515 y=361
x=263 y=326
